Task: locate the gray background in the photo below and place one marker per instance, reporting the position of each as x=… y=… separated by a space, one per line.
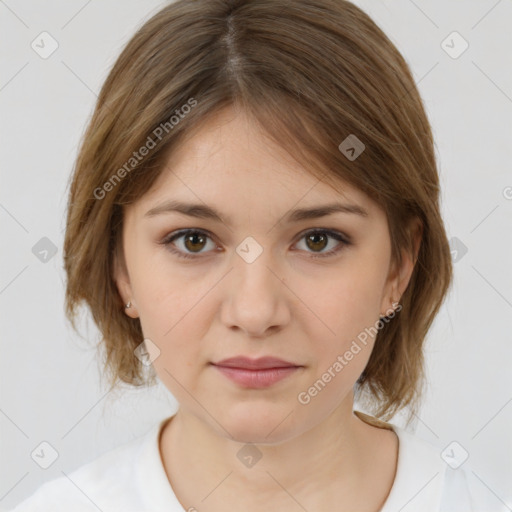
x=50 y=384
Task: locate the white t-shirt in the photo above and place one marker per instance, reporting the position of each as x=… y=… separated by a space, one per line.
x=132 y=478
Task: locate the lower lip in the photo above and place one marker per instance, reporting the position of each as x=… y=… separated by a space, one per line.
x=256 y=379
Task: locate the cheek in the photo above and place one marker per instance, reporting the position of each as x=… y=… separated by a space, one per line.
x=347 y=301
x=169 y=318
x=174 y=313
x=346 y=306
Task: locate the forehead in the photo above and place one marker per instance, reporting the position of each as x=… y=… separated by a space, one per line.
x=229 y=160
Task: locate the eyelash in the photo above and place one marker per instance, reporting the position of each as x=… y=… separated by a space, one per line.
x=167 y=242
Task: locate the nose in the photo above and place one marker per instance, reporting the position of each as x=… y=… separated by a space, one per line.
x=255 y=299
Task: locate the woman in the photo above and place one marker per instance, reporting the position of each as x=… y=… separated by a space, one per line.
x=254 y=220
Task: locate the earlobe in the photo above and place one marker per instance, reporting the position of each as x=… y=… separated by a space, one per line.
x=122 y=281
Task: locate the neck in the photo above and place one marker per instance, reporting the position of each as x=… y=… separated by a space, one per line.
x=208 y=470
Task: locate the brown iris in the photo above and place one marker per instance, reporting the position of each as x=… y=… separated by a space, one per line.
x=316 y=238
x=191 y=241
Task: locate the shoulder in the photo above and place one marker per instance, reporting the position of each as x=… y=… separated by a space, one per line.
x=107 y=483
x=434 y=479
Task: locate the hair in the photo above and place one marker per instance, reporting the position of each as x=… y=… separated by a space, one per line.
x=310 y=73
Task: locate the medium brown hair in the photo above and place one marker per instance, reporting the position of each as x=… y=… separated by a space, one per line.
x=311 y=73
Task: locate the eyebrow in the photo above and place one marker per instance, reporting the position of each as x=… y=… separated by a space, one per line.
x=202 y=211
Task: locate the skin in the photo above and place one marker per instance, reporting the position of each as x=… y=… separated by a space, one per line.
x=285 y=304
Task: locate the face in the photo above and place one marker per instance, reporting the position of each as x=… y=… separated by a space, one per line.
x=255 y=280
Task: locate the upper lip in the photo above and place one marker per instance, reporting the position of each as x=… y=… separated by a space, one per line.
x=261 y=363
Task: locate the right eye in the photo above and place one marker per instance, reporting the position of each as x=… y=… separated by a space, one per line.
x=192 y=240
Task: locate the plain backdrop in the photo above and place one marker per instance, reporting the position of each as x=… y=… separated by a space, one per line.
x=50 y=386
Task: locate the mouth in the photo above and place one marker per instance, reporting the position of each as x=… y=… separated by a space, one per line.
x=256 y=373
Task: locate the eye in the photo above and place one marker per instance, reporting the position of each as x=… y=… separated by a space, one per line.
x=318 y=239
x=193 y=240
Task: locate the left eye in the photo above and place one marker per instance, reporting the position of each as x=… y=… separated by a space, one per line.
x=192 y=242
x=318 y=239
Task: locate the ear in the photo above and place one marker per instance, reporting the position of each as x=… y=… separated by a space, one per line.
x=122 y=280
x=400 y=274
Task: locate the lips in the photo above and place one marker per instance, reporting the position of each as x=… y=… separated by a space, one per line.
x=262 y=363
x=256 y=373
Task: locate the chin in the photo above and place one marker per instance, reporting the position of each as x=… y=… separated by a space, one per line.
x=261 y=423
